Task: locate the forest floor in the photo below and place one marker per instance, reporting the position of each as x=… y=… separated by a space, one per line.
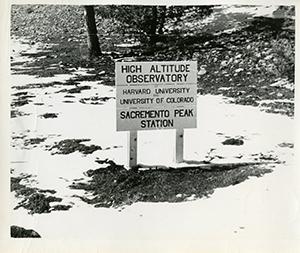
x=67 y=155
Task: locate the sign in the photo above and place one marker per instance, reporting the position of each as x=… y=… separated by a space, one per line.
x=156 y=95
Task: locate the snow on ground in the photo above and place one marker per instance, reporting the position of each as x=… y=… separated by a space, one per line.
x=227 y=18
x=254 y=10
x=260 y=208
x=255 y=209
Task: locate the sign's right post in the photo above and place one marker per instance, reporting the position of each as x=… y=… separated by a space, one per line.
x=179 y=145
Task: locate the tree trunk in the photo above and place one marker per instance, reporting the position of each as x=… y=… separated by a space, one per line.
x=162 y=19
x=93 y=41
x=153 y=26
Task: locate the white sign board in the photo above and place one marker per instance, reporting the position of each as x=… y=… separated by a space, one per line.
x=156 y=95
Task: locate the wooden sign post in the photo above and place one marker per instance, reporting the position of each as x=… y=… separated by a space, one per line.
x=154 y=96
x=179 y=145
x=132 y=149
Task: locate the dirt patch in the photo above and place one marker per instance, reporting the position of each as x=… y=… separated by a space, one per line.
x=38 y=203
x=95 y=100
x=286 y=108
x=61 y=207
x=49 y=115
x=114 y=186
x=21 y=100
x=34 y=199
x=233 y=141
x=75 y=90
x=286 y=145
x=14 y=137
x=24 y=142
x=17 y=113
x=112 y=147
x=37 y=85
x=19 y=232
x=47 y=191
x=269 y=157
x=69 y=146
x=22 y=93
x=34 y=141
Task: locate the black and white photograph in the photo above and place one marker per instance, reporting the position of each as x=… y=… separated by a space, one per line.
x=171 y=122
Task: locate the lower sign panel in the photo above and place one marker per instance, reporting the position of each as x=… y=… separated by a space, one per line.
x=156 y=118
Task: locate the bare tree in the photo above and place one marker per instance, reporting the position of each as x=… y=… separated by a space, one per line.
x=153 y=25
x=93 y=41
